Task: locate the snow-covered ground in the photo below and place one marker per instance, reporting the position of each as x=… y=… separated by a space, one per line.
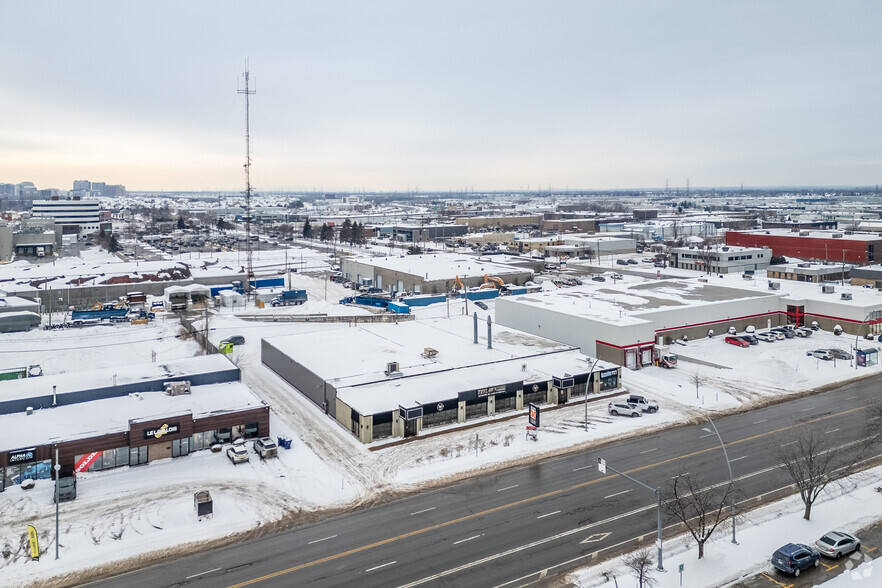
x=114 y=518
x=759 y=533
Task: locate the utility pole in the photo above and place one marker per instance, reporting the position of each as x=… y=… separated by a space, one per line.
x=248 y=92
x=729 y=464
x=602 y=467
x=57 y=468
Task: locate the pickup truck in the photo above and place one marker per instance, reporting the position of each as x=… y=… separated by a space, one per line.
x=642 y=403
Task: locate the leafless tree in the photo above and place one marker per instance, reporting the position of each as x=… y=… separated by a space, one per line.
x=873 y=426
x=700 y=508
x=697 y=379
x=641 y=565
x=813 y=459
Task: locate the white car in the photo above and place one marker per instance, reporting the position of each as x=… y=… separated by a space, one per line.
x=238 y=454
x=624 y=408
x=768 y=337
x=266 y=447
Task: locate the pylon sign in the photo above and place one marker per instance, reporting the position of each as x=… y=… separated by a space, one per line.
x=534 y=415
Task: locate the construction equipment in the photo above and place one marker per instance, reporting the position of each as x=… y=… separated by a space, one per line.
x=457 y=284
x=492 y=282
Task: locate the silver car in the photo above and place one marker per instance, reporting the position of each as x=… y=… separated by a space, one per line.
x=836 y=544
x=839 y=353
x=624 y=408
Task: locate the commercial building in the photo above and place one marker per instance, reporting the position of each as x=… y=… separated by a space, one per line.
x=720 y=260
x=108 y=418
x=811 y=272
x=423 y=233
x=74 y=215
x=398 y=379
x=428 y=273
x=841 y=246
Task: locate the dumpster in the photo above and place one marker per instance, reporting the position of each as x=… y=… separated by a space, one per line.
x=203 y=504
x=284 y=442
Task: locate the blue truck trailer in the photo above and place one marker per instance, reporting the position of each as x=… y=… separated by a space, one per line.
x=289 y=297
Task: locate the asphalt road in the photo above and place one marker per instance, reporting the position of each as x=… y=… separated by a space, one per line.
x=524 y=524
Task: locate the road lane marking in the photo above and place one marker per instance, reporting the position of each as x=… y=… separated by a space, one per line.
x=678 y=475
x=548 y=515
x=320 y=540
x=786 y=444
x=737 y=458
x=831 y=431
x=380 y=566
x=807 y=409
x=649 y=450
x=708 y=435
x=508 y=488
x=616 y=494
x=202 y=573
x=851 y=397
x=762 y=421
x=583 y=468
x=595 y=538
x=469 y=539
x=530 y=499
x=422 y=511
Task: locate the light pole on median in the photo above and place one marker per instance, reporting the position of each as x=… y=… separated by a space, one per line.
x=590 y=381
x=602 y=467
x=729 y=465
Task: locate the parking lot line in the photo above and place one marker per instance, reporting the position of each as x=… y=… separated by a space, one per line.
x=868 y=550
x=833 y=567
x=781 y=584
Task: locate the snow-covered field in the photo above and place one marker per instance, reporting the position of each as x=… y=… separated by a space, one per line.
x=126 y=512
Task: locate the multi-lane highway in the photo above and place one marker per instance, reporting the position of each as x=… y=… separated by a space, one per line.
x=518 y=526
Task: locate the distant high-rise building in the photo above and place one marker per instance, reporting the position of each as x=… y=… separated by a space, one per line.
x=7 y=189
x=98 y=187
x=82 y=185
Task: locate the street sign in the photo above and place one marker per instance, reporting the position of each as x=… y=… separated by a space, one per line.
x=658 y=543
x=681 y=568
x=601 y=465
x=534 y=414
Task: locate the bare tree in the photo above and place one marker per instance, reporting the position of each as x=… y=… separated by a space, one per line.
x=641 y=565
x=697 y=379
x=700 y=508
x=813 y=459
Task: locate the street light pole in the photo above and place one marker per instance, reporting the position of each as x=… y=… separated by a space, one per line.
x=591 y=381
x=602 y=467
x=729 y=465
x=57 y=469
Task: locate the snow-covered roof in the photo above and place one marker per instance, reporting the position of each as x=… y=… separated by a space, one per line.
x=814 y=234
x=112 y=415
x=439 y=266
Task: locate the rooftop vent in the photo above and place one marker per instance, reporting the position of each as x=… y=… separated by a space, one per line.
x=725 y=249
x=827 y=289
x=429 y=353
x=177 y=388
x=774 y=285
x=837 y=235
x=845 y=296
x=803 y=233
x=392 y=369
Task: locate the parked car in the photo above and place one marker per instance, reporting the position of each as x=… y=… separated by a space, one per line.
x=624 y=408
x=777 y=335
x=768 y=337
x=633 y=261
x=737 y=341
x=621 y=262
x=480 y=305
x=617 y=276
x=786 y=332
x=598 y=279
x=648 y=260
x=266 y=447
x=641 y=402
x=750 y=338
x=803 y=332
x=795 y=557
x=840 y=353
x=235 y=340
x=238 y=454
x=836 y=544
x=820 y=354
x=66 y=488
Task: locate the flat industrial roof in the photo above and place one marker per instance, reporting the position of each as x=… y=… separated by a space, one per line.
x=813 y=234
x=112 y=415
x=439 y=266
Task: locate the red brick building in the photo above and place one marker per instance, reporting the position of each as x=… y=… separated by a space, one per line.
x=841 y=246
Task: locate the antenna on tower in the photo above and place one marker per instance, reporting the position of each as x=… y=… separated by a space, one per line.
x=248 y=92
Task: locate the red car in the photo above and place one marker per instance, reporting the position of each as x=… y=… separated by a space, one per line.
x=737 y=341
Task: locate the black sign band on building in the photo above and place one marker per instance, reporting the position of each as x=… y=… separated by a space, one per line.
x=492 y=390
x=165 y=429
x=410 y=414
x=22 y=455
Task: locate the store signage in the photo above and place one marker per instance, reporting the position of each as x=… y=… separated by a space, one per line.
x=492 y=390
x=410 y=414
x=86 y=461
x=165 y=429
x=22 y=455
x=562 y=383
x=534 y=415
x=609 y=373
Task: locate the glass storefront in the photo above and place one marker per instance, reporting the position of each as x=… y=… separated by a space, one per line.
x=109 y=458
x=15 y=474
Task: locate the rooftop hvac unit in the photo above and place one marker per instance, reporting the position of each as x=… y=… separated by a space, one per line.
x=725 y=249
x=429 y=353
x=845 y=296
x=774 y=285
x=827 y=289
x=837 y=235
x=392 y=369
x=803 y=233
x=177 y=388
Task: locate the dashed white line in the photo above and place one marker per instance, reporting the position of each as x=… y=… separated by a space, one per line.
x=851 y=397
x=649 y=450
x=807 y=409
x=469 y=539
x=760 y=421
x=508 y=488
x=201 y=574
x=831 y=431
x=320 y=540
x=616 y=494
x=422 y=511
x=737 y=458
x=381 y=566
x=583 y=468
x=678 y=475
x=786 y=444
x=708 y=435
x=548 y=515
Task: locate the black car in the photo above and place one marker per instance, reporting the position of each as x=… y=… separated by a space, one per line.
x=598 y=279
x=480 y=305
x=633 y=261
x=235 y=340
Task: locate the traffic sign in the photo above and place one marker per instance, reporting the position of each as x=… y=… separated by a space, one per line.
x=601 y=465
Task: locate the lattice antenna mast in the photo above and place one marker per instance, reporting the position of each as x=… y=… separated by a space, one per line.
x=248 y=92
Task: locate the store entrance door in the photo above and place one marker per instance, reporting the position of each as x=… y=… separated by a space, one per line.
x=159 y=451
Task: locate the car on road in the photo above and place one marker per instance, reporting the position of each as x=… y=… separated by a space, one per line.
x=836 y=544
x=820 y=354
x=738 y=341
x=624 y=408
x=840 y=353
x=795 y=557
x=238 y=454
x=767 y=337
x=266 y=447
x=235 y=340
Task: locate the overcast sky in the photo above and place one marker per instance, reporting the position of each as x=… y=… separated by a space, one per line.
x=380 y=95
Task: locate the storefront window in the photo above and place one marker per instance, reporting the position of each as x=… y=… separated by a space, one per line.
x=609 y=379
x=109 y=458
x=138 y=455
x=15 y=474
